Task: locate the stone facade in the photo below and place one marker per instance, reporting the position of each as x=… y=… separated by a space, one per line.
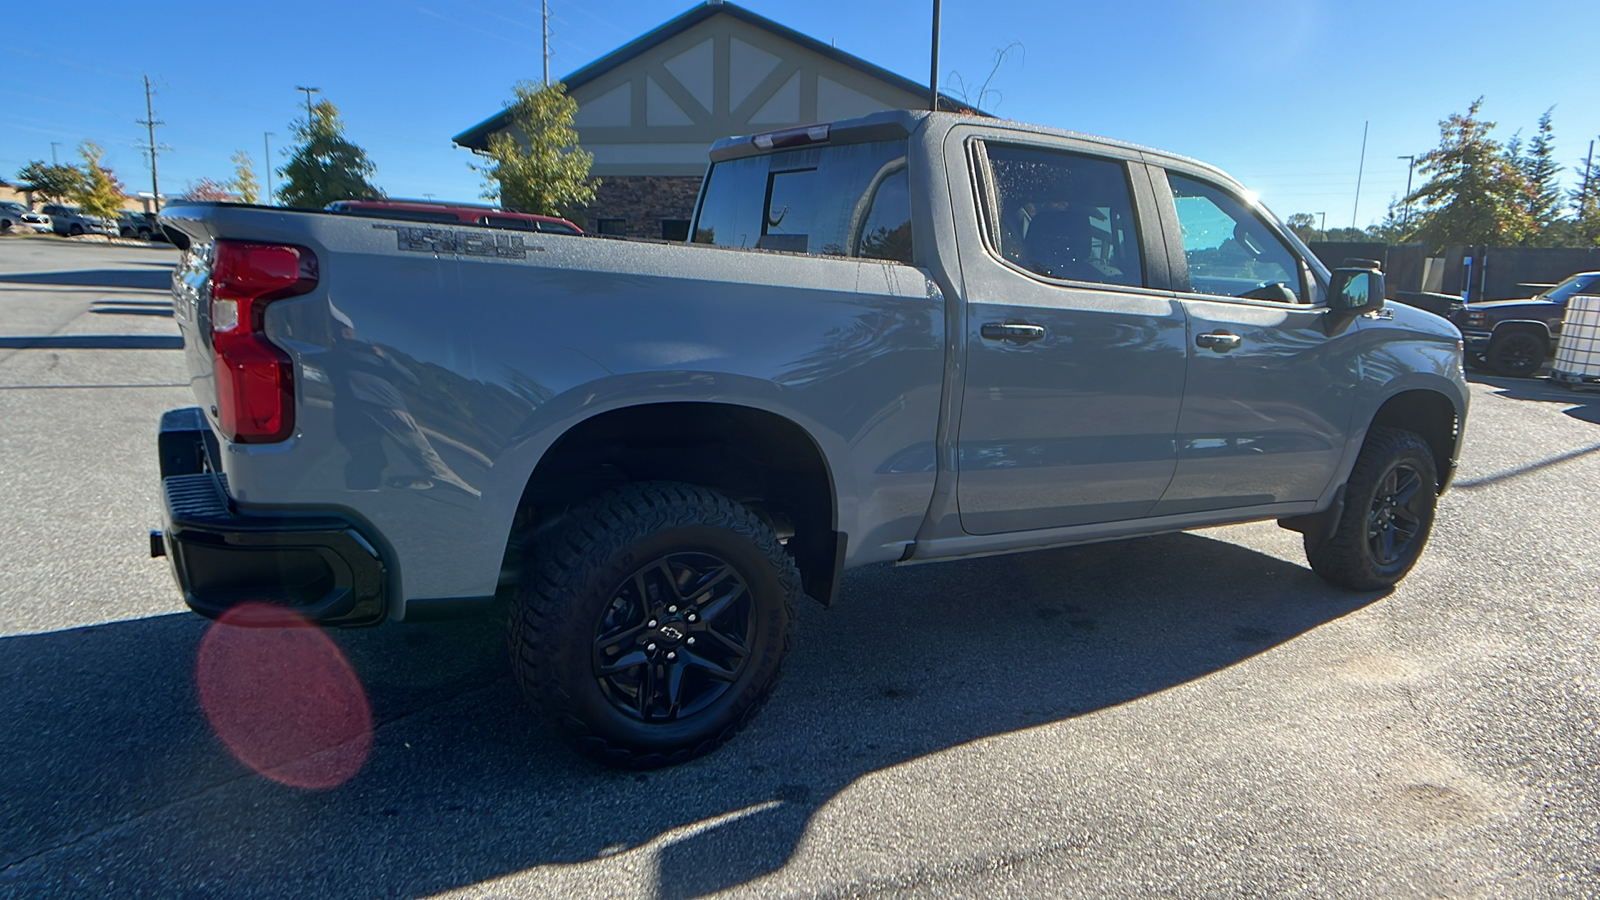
x=642 y=201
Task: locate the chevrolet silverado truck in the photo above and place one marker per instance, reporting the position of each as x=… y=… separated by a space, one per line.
x=902 y=338
x=1516 y=337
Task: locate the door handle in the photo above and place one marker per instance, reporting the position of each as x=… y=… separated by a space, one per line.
x=1220 y=341
x=1020 y=332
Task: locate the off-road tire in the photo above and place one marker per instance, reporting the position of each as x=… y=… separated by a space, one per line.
x=577 y=575
x=1517 y=354
x=1348 y=558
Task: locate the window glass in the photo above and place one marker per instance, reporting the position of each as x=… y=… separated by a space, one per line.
x=508 y=222
x=612 y=226
x=1230 y=251
x=834 y=200
x=1064 y=215
x=675 y=230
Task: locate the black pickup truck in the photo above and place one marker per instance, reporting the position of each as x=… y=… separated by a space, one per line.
x=1515 y=337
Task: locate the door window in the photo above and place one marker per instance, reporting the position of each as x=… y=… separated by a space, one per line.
x=1230 y=251
x=1063 y=215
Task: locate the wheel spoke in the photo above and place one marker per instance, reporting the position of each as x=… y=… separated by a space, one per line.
x=1402 y=514
x=720 y=673
x=733 y=643
x=621 y=639
x=717 y=607
x=674 y=687
x=647 y=692
x=704 y=588
x=1387 y=543
x=624 y=662
x=1407 y=488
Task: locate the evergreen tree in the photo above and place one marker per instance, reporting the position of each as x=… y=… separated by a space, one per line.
x=1540 y=169
x=324 y=166
x=1475 y=193
x=244 y=184
x=535 y=165
x=100 y=193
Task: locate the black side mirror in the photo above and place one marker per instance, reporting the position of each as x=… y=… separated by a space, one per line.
x=1355 y=290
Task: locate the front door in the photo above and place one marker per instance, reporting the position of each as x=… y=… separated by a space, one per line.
x=1074 y=367
x=1272 y=374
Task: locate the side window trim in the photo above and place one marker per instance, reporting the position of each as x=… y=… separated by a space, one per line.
x=1152 y=254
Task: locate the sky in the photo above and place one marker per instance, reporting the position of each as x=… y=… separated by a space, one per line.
x=1276 y=92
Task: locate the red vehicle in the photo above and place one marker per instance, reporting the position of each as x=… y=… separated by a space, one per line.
x=454 y=213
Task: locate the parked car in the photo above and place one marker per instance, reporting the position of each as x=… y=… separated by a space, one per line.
x=11 y=216
x=38 y=221
x=142 y=226
x=1516 y=337
x=901 y=338
x=71 y=221
x=454 y=213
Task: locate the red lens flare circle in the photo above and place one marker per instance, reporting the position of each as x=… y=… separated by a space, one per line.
x=282 y=698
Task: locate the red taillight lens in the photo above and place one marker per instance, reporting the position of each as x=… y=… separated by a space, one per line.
x=255 y=378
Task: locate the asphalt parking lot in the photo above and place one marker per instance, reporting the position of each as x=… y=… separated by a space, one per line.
x=1186 y=715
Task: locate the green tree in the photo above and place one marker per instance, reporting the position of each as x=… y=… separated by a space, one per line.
x=1304 y=225
x=53 y=183
x=244 y=184
x=101 y=193
x=324 y=166
x=1542 y=173
x=535 y=165
x=1475 y=192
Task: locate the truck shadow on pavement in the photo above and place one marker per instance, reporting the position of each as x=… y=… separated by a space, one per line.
x=1585 y=402
x=128 y=279
x=112 y=780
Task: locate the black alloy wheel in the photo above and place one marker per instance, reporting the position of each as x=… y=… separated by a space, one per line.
x=675 y=637
x=1518 y=354
x=652 y=621
x=1396 y=517
x=1388 y=513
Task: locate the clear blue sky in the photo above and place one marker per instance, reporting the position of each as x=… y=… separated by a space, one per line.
x=1274 y=91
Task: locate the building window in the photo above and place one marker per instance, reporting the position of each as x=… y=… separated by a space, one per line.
x=613 y=226
x=675 y=230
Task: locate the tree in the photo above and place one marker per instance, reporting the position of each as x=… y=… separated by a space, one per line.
x=535 y=165
x=207 y=190
x=1475 y=193
x=1304 y=225
x=56 y=184
x=244 y=183
x=101 y=193
x=324 y=166
x=1542 y=173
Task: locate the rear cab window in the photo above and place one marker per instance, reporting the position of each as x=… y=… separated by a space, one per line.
x=847 y=200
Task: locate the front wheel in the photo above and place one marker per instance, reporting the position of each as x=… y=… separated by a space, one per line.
x=1388 y=513
x=654 y=623
x=75 y=230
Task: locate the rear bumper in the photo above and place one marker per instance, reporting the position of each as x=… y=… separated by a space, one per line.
x=318 y=564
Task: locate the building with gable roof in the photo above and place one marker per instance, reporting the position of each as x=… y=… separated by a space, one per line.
x=650 y=110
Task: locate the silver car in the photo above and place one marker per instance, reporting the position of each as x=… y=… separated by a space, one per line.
x=71 y=221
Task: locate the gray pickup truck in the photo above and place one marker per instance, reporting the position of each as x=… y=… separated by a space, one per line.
x=902 y=338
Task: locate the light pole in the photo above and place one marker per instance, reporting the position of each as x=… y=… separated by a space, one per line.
x=53 y=160
x=266 y=150
x=1411 y=165
x=933 y=76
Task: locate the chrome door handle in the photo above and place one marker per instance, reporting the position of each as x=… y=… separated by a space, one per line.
x=1220 y=341
x=1020 y=332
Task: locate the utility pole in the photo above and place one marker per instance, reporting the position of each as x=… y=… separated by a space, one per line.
x=309 y=91
x=266 y=150
x=150 y=122
x=54 y=161
x=1411 y=165
x=933 y=77
x=1324 y=226
x=544 y=34
x=1583 y=193
x=1361 y=170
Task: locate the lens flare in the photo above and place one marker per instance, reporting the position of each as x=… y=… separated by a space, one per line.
x=282 y=698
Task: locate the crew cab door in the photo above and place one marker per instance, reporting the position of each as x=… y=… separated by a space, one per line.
x=1074 y=350
x=1272 y=375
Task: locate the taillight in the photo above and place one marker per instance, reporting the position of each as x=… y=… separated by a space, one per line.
x=255 y=378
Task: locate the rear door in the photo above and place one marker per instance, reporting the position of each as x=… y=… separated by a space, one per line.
x=1074 y=347
x=1271 y=375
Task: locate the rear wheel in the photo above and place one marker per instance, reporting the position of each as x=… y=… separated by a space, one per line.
x=1388 y=514
x=654 y=624
x=75 y=230
x=1517 y=354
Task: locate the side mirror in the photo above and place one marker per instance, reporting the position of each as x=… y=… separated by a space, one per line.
x=1355 y=290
